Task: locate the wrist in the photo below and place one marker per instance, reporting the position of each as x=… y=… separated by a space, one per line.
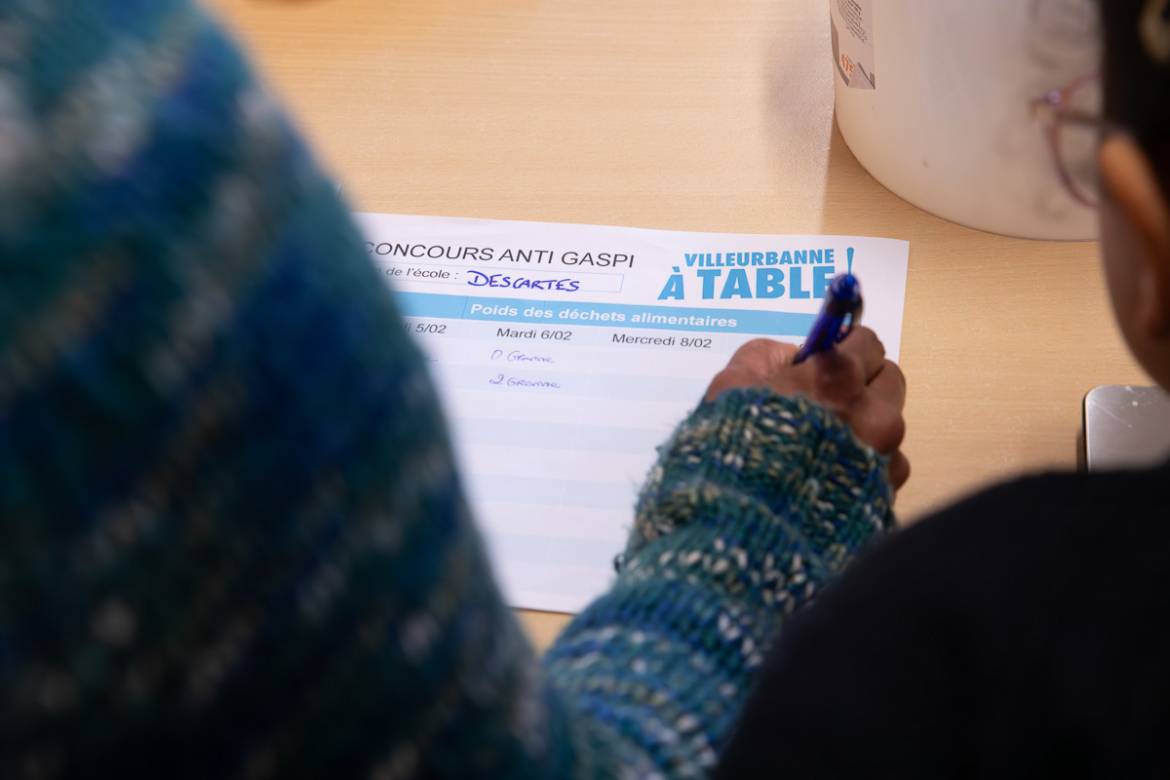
x=784 y=453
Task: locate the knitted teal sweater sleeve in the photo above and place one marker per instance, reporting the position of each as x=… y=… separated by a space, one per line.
x=755 y=503
x=233 y=542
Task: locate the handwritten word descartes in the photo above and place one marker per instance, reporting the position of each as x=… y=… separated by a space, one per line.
x=767 y=275
x=489 y=254
x=481 y=279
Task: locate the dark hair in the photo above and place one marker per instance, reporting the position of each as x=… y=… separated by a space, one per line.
x=1137 y=86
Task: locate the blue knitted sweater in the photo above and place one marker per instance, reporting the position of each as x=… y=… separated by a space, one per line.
x=232 y=540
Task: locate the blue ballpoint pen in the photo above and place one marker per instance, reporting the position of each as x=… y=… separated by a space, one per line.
x=839 y=315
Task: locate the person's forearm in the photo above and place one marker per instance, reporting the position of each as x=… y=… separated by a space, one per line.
x=756 y=502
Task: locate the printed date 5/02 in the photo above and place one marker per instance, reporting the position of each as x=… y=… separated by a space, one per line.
x=434 y=328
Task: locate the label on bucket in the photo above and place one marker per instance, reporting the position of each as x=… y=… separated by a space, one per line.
x=852 y=22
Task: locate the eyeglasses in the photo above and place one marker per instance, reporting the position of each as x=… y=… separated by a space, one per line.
x=1073 y=126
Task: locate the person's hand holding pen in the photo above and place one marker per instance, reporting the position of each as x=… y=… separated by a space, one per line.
x=854 y=380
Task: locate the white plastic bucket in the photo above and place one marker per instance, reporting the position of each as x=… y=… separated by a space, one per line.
x=934 y=99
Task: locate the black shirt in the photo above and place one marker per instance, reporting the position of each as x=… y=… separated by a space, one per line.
x=1024 y=632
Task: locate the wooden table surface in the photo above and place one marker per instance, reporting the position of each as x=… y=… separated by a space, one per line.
x=702 y=116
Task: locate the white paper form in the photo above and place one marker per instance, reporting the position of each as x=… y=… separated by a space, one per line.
x=565 y=354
